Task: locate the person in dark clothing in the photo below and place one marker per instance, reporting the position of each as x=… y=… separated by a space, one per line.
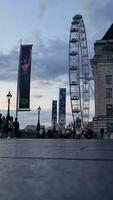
x=1 y=121
x=10 y=128
x=102 y=133
x=16 y=127
x=4 y=128
x=0 y=118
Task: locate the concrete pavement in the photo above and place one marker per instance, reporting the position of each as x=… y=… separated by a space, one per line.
x=56 y=169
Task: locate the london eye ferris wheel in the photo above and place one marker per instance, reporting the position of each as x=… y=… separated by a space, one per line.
x=79 y=71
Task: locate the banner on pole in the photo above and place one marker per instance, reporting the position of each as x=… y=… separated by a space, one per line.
x=24 y=77
x=54 y=112
x=62 y=107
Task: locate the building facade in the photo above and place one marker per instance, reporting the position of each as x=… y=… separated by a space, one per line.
x=102 y=65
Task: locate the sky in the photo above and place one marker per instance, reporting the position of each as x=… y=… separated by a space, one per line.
x=46 y=25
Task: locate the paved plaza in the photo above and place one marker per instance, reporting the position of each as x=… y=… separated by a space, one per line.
x=56 y=169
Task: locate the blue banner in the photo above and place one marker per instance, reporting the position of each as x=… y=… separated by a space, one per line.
x=62 y=107
x=54 y=112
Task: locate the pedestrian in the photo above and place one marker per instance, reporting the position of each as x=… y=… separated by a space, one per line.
x=102 y=133
x=16 y=128
x=4 y=127
x=10 y=128
x=73 y=134
x=78 y=133
x=109 y=135
x=95 y=135
x=84 y=133
x=1 y=121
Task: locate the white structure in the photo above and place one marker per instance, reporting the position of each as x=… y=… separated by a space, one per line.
x=79 y=71
x=102 y=65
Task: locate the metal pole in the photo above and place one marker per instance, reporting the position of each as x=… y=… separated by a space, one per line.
x=39 y=120
x=38 y=117
x=18 y=82
x=38 y=123
x=8 y=110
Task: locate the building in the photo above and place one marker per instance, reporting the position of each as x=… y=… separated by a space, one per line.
x=102 y=65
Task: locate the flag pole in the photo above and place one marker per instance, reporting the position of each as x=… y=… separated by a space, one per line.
x=18 y=82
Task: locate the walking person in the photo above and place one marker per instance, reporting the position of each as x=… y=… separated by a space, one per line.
x=78 y=133
x=73 y=134
x=16 y=128
x=102 y=133
x=10 y=128
x=1 y=121
x=4 y=127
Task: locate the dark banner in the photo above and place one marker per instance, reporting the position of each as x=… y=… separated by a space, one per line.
x=24 y=77
x=54 y=112
x=62 y=106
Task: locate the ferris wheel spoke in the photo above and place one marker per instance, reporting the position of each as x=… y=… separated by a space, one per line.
x=79 y=70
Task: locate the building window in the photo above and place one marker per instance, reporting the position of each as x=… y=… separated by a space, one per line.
x=108 y=93
x=108 y=79
x=109 y=110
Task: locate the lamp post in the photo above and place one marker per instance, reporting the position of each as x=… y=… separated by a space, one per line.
x=9 y=95
x=38 y=124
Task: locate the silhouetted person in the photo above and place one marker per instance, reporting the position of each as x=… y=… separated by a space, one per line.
x=10 y=128
x=73 y=134
x=102 y=133
x=1 y=121
x=95 y=135
x=16 y=128
x=78 y=134
x=4 y=127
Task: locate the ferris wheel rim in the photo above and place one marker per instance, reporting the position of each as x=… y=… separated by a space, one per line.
x=79 y=104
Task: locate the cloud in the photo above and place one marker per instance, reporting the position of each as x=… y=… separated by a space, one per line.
x=66 y=82
x=43 y=6
x=49 y=62
x=9 y=66
x=98 y=15
x=42 y=84
x=100 y=12
x=39 y=96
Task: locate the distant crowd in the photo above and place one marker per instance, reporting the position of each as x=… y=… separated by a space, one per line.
x=8 y=127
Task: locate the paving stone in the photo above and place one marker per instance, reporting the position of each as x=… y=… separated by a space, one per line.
x=56 y=169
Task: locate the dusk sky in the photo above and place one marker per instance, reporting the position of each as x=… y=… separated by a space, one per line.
x=46 y=25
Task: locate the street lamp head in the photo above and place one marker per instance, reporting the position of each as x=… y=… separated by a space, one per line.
x=9 y=95
x=39 y=108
